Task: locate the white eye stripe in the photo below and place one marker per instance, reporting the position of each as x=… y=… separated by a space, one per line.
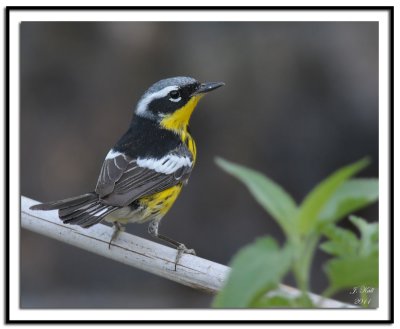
x=147 y=98
x=176 y=100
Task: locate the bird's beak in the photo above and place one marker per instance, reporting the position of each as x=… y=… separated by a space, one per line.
x=205 y=87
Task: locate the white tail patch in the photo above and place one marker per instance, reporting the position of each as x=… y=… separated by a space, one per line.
x=98 y=213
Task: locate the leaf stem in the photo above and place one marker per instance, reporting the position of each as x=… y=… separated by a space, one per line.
x=304 y=252
x=327 y=293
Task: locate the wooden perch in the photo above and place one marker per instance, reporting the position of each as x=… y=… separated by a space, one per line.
x=192 y=271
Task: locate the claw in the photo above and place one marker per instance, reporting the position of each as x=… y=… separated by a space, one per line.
x=182 y=250
x=117 y=228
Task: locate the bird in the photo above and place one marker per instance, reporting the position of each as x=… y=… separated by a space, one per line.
x=144 y=172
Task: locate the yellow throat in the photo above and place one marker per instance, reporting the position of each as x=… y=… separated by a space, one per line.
x=179 y=120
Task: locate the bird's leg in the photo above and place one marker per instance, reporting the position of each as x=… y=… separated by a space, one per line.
x=117 y=228
x=181 y=248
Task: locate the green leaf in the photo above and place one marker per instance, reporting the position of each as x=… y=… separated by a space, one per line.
x=352 y=271
x=316 y=200
x=350 y=197
x=357 y=262
x=369 y=235
x=272 y=302
x=342 y=242
x=256 y=269
x=268 y=194
x=283 y=301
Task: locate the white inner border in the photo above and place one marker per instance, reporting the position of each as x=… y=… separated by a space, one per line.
x=204 y=314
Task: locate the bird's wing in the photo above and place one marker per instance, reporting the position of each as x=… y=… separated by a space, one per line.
x=124 y=179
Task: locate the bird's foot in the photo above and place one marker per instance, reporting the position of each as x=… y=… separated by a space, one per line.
x=117 y=229
x=182 y=250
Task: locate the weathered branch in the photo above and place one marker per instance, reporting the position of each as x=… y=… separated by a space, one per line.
x=192 y=271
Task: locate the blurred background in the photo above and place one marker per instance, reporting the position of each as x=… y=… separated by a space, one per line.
x=301 y=100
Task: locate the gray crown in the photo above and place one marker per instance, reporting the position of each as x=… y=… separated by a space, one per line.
x=176 y=81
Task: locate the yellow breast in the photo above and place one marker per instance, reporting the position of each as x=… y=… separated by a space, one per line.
x=157 y=205
x=189 y=142
x=151 y=207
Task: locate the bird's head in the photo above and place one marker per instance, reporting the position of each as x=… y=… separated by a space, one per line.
x=170 y=102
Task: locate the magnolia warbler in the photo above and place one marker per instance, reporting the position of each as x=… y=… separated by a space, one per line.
x=143 y=174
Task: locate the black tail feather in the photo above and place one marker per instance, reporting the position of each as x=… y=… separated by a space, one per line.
x=66 y=203
x=94 y=220
x=76 y=217
x=67 y=215
x=89 y=218
x=64 y=212
x=84 y=210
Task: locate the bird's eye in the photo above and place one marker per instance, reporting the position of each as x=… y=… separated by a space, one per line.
x=174 y=94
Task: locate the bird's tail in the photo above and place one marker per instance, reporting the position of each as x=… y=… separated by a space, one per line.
x=83 y=210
